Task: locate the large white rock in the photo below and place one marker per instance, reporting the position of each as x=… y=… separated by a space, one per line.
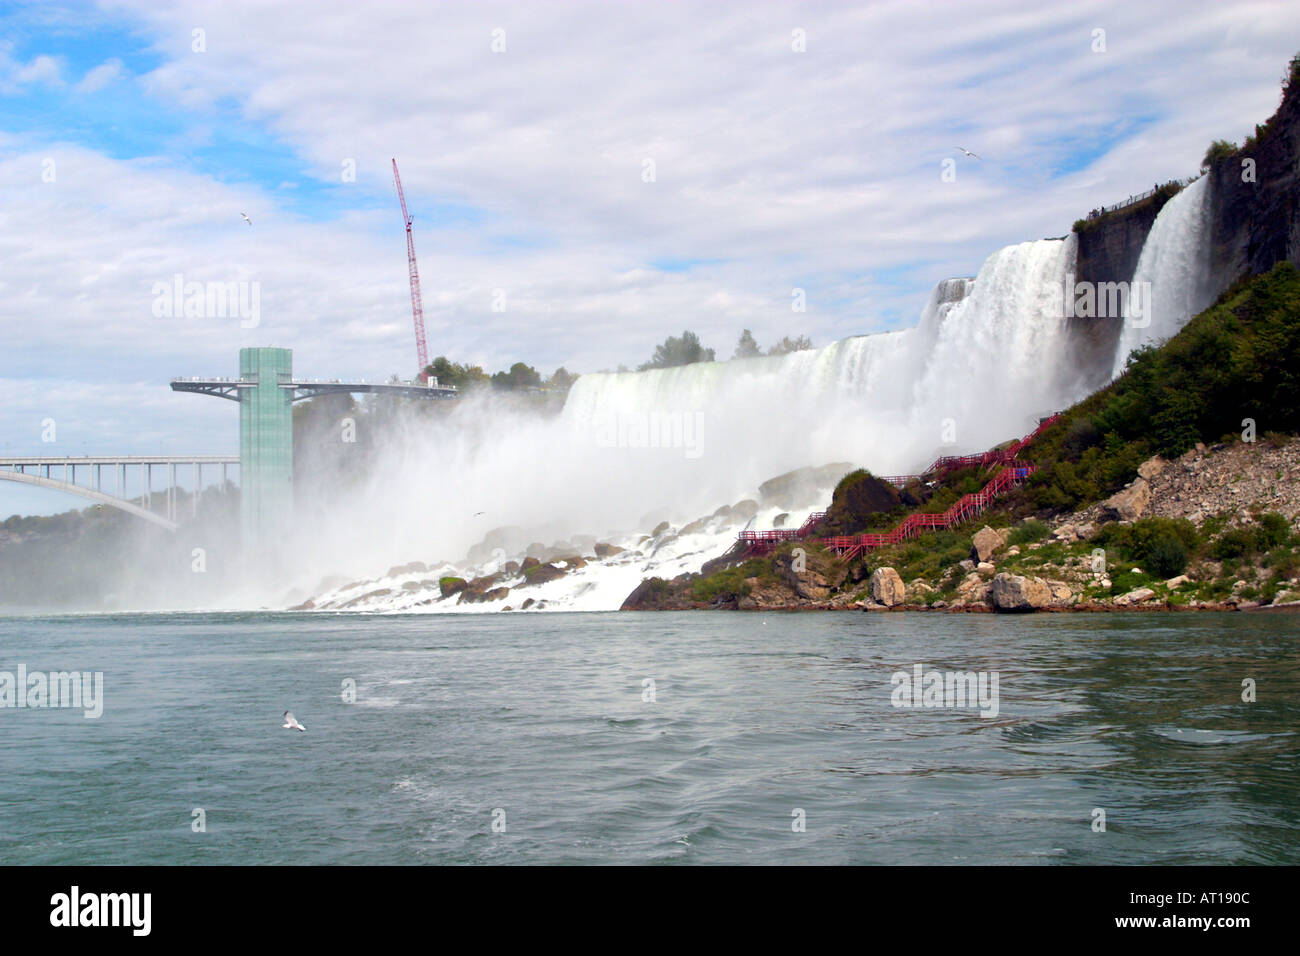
x=887 y=587
x=1014 y=593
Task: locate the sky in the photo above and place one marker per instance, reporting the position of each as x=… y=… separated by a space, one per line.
x=585 y=178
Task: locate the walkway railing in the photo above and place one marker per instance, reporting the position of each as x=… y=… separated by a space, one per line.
x=1012 y=473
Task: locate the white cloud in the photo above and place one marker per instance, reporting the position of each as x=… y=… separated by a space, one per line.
x=101 y=76
x=774 y=168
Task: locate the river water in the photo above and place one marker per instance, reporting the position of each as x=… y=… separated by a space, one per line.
x=764 y=738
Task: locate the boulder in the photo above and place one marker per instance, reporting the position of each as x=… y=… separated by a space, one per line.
x=542 y=574
x=744 y=510
x=415 y=567
x=660 y=528
x=1130 y=503
x=985 y=542
x=802 y=487
x=1061 y=592
x=449 y=586
x=1136 y=596
x=1013 y=593
x=887 y=587
x=604 y=550
x=1151 y=467
x=1066 y=533
x=1177 y=582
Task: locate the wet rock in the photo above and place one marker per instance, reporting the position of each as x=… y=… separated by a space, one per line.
x=542 y=574
x=697 y=526
x=449 y=586
x=604 y=550
x=744 y=510
x=415 y=567
x=660 y=528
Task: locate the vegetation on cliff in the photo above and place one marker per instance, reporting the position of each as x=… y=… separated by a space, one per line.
x=1234 y=367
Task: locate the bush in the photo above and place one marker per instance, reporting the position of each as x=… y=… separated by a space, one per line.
x=1273 y=530
x=1236 y=543
x=1027 y=533
x=1219 y=149
x=1166 y=556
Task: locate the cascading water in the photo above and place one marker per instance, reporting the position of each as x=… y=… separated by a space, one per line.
x=631 y=449
x=1174 y=266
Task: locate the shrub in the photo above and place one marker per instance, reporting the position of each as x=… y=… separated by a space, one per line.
x=1273 y=530
x=1219 y=149
x=1027 y=533
x=1166 y=555
x=1235 y=543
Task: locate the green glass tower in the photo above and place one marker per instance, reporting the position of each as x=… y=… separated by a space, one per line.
x=266 y=445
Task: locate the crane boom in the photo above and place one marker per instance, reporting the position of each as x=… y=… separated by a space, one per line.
x=417 y=305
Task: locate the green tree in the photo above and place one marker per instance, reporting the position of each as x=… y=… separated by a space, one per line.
x=1219 y=149
x=788 y=344
x=519 y=377
x=452 y=373
x=747 y=347
x=674 y=351
x=561 y=379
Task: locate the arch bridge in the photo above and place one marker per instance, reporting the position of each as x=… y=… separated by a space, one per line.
x=60 y=474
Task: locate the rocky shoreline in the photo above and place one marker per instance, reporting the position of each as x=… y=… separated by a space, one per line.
x=1237 y=504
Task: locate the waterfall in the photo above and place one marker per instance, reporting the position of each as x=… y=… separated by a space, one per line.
x=1174 y=266
x=988 y=356
x=984 y=360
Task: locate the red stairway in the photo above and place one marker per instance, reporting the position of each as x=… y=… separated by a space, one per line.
x=968 y=506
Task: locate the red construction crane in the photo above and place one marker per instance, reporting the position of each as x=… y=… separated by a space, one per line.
x=417 y=306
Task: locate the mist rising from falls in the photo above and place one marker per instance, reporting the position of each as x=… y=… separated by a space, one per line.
x=1175 y=261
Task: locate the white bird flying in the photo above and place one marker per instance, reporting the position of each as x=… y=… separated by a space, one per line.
x=246 y=219
x=962 y=148
x=291 y=722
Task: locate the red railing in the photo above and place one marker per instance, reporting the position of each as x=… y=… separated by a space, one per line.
x=965 y=508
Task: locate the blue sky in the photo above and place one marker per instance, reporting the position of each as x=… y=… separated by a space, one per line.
x=525 y=171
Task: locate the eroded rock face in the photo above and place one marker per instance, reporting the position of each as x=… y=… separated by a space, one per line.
x=985 y=542
x=1012 y=593
x=887 y=587
x=1130 y=503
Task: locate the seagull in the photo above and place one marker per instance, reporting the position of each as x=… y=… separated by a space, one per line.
x=962 y=148
x=291 y=722
x=250 y=222
x=477 y=513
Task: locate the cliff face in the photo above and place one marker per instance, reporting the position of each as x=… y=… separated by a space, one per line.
x=1257 y=224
